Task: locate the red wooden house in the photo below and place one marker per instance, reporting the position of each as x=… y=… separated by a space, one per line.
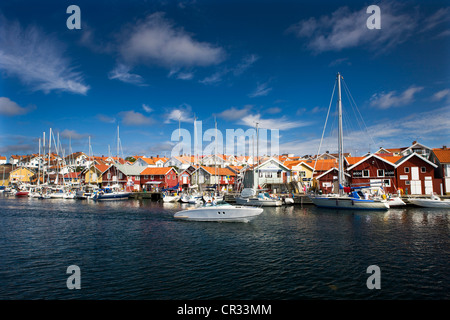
x=374 y=170
x=158 y=178
x=415 y=175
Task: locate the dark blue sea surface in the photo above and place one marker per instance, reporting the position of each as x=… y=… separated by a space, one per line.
x=135 y=249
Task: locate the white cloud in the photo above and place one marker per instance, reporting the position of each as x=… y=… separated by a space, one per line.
x=156 y=40
x=262 y=89
x=105 y=118
x=122 y=72
x=282 y=123
x=246 y=63
x=146 y=108
x=182 y=113
x=234 y=113
x=72 y=134
x=37 y=59
x=441 y=95
x=347 y=29
x=10 y=108
x=273 y=110
x=237 y=70
x=392 y=99
x=133 y=118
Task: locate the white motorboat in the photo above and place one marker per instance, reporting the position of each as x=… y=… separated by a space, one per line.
x=221 y=212
x=249 y=197
x=395 y=201
x=184 y=198
x=433 y=202
x=195 y=199
x=346 y=202
x=170 y=198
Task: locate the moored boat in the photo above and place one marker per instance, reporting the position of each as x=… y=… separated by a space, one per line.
x=355 y=199
x=221 y=212
x=433 y=202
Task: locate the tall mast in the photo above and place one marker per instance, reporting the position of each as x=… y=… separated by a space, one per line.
x=49 y=150
x=340 y=138
x=257 y=156
x=39 y=164
x=215 y=157
x=117 y=144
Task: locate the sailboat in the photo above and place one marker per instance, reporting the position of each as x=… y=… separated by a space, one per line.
x=356 y=199
x=115 y=191
x=253 y=197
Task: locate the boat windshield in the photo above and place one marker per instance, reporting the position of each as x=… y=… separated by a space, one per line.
x=218 y=203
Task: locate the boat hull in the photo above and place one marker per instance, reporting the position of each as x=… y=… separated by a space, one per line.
x=429 y=203
x=112 y=196
x=349 y=203
x=396 y=202
x=220 y=214
x=171 y=198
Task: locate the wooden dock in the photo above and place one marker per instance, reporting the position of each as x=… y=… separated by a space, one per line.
x=300 y=199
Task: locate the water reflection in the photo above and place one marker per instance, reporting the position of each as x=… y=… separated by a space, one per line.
x=136 y=249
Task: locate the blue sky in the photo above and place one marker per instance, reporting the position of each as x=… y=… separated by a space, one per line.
x=143 y=65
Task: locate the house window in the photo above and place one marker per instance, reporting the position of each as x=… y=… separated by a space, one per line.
x=279 y=174
x=109 y=175
x=423 y=169
x=407 y=182
x=120 y=175
x=146 y=176
x=387 y=182
x=406 y=169
x=302 y=173
x=152 y=177
x=380 y=173
x=137 y=178
x=366 y=173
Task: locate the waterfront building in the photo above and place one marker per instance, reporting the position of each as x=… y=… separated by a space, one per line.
x=3 y=160
x=224 y=178
x=94 y=174
x=155 y=179
x=415 y=174
x=270 y=174
x=21 y=175
x=374 y=170
x=131 y=174
x=441 y=157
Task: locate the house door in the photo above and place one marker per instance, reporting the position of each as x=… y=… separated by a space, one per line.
x=416 y=187
x=415 y=173
x=428 y=186
x=447 y=185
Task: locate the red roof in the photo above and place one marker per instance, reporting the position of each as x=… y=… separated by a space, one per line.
x=72 y=175
x=443 y=155
x=102 y=167
x=156 y=171
x=219 y=171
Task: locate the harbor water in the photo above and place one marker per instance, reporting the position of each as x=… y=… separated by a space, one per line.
x=135 y=249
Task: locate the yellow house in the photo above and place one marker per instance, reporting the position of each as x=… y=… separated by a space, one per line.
x=22 y=175
x=95 y=174
x=302 y=171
